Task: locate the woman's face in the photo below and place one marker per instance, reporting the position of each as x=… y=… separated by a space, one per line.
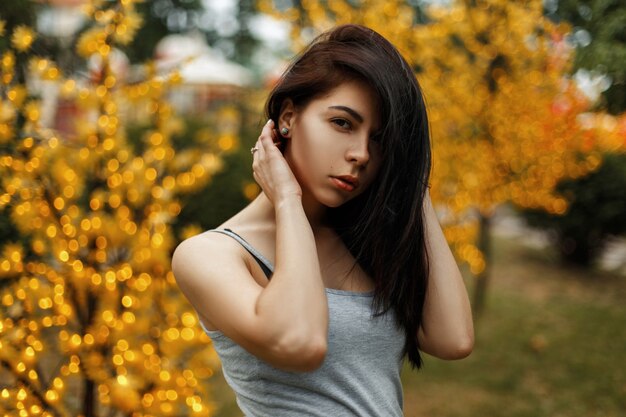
x=332 y=146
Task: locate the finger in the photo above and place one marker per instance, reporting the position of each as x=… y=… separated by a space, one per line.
x=257 y=178
x=260 y=153
x=266 y=133
x=272 y=132
x=255 y=149
x=276 y=138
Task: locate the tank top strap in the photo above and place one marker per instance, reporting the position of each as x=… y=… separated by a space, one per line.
x=265 y=265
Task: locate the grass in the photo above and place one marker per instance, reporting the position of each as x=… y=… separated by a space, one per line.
x=551 y=342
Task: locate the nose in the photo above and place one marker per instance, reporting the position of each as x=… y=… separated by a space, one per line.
x=358 y=151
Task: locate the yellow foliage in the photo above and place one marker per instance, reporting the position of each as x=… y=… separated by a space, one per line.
x=92 y=41
x=11 y=259
x=191 y=230
x=251 y=190
x=505 y=119
x=96 y=213
x=7 y=115
x=31 y=111
x=127 y=28
x=22 y=38
x=124 y=398
x=45 y=69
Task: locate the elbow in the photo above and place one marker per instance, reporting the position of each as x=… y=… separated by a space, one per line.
x=460 y=349
x=313 y=357
x=463 y=348
x=302 y=354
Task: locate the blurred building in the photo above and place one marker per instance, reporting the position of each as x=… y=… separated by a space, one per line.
x=61 y=18
x=207 y=77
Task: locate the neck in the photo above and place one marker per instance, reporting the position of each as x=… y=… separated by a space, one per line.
x=314 y=211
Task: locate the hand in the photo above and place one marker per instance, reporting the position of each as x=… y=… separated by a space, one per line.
x=270 y=169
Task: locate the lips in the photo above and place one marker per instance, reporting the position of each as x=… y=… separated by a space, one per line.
x=346 y=182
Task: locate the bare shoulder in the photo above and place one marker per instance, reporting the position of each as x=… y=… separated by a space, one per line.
x=212 y=271
x=207 y=242
x=213 y=253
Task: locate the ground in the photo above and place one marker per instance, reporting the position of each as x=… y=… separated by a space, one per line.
x=550 y=343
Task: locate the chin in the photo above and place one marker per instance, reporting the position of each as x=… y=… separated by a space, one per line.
x=335 y=204
x=334 y=200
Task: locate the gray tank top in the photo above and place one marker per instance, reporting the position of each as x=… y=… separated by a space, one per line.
x=360 y=375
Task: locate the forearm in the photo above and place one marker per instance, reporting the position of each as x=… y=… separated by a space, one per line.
x=294 y=302
x=447 y=330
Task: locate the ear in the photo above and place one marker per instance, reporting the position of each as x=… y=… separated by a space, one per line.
x=286 y=118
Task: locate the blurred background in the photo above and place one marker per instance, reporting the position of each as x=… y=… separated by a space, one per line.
x=125 y=127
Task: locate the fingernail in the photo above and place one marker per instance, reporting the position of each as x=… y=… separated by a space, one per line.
x=269 y=121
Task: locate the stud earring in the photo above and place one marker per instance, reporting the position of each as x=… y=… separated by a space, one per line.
x=284 y=131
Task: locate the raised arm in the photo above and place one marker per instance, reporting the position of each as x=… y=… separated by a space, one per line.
x=286 y=322
x=447 y=330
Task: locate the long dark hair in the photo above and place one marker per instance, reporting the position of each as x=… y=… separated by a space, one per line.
x=384 y=228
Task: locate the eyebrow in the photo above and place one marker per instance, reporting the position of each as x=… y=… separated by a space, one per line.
x=350 y=111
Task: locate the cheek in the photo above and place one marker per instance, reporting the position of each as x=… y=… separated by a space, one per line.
x=311 y=149
x=299 y=157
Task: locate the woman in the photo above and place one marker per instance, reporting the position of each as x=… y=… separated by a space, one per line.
x=315 y=292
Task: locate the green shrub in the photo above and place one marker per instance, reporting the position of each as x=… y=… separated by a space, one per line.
x=597 y=210
x=223 y=196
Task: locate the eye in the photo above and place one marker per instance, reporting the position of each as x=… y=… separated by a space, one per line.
x=342 y=123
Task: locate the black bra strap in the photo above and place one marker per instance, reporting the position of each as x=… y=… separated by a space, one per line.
x=265 y=265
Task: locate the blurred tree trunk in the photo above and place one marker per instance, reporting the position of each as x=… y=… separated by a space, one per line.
x=89 y=398
x=482 y=278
